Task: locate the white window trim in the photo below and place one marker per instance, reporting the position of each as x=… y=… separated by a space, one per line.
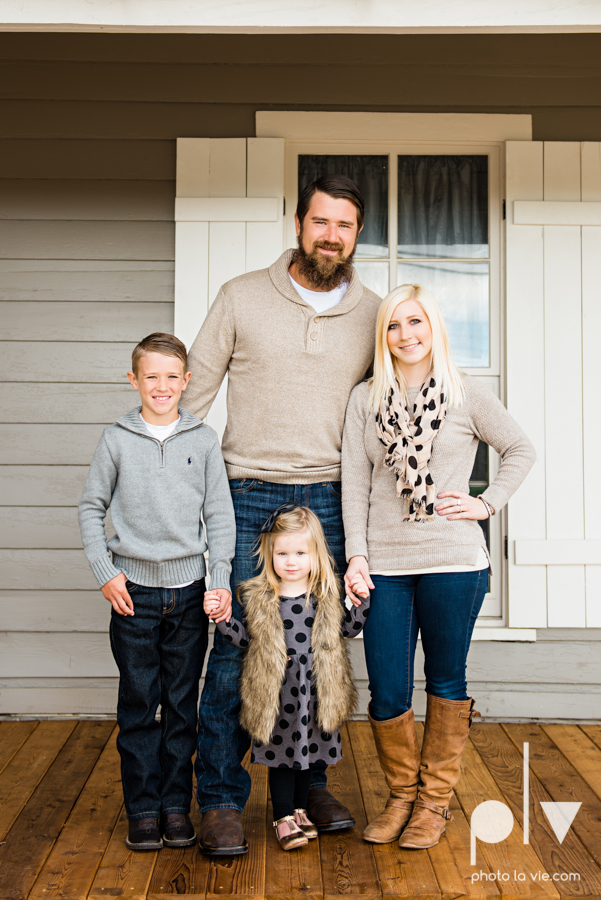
x=317 y=132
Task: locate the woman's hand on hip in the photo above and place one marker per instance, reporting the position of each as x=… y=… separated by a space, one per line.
x=358 y=571
x=459 y=505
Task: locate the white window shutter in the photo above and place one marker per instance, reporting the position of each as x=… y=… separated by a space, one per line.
x=228 y=220
x=553 y=324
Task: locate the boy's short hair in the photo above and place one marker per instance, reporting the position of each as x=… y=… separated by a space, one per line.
x=159 y=342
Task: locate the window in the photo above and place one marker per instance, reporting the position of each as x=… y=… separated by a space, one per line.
x=432 y=217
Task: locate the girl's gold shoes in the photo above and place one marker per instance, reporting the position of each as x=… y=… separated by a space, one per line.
x=289 y=834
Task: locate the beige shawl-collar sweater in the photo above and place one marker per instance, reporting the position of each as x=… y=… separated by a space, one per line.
x=290 y=373
x=372 y=512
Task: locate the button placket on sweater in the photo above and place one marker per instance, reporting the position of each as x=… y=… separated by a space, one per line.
x=314 y=334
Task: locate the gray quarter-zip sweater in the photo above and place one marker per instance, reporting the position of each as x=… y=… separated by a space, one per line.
x=157 y=492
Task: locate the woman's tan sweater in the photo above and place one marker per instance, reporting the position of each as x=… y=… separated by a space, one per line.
x=372 y=511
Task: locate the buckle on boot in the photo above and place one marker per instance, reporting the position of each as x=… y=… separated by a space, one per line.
x=442 y=811
x=471 y=715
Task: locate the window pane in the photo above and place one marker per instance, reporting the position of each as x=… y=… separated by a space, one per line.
x=374 y=275
x=443 y=207
x=371 y=174
x=461 y=289
x=479 y=482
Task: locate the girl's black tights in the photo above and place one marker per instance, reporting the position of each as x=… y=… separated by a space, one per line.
x=289 y=790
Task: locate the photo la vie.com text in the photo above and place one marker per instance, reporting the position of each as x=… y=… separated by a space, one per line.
x=492 y=822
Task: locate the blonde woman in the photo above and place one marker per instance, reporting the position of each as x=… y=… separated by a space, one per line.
x=297 y=685
x=412 y=534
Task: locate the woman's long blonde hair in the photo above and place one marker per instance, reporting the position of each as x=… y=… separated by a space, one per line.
x=322 y=578
x=387 y=373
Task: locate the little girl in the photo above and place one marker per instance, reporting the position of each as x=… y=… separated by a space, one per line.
x=297 y=684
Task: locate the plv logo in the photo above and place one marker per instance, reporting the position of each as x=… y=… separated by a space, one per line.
x=492 y=821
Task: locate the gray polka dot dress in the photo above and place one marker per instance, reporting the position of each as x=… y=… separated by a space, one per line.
x=297 y=740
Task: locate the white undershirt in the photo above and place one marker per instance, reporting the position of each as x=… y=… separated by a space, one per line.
x=161 y=433
x=320 y=300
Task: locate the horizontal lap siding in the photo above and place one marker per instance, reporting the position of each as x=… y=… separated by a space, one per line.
x=86 y=270
x=87 y=166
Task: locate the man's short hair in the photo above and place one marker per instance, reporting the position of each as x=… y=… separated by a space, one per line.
x=159 y=342
x=338 y=186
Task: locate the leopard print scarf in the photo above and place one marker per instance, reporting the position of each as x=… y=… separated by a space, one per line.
x=408 y=443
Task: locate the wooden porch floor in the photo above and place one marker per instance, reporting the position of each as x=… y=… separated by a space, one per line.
x=62 y=825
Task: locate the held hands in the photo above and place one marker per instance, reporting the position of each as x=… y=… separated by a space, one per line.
x=357 y=581
x=461 y=505
x=116 y=593
x=218 y=605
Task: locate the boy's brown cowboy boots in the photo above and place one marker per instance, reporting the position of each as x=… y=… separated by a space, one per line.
x=398 y=752
x=447 y=726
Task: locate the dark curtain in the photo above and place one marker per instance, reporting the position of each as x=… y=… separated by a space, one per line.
x=371 y=174
x=443 y=200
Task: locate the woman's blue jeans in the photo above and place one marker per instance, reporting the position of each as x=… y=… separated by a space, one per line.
x=159 y=651
x=443 y=608
x=222 y=743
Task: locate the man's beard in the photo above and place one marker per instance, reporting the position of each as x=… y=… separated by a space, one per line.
x=323 y=273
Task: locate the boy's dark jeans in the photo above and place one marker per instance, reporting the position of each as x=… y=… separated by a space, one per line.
x=159 y=651
x=222 y=743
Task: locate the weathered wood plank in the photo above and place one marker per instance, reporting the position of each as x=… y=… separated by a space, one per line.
x=55 y=655
x=41 y=485
x=245 y=875
x=347 y=862
x=130 y=160
x=24 y=772
x=25 y=239
x=71 y=866
x=141 y=201
x=581 y=751
x=511 y=856
x=505 y=763
x=563 y=783
x=70 y=361
x=52 y=569
x=64 y=445
x=85 y=280
x=122 y=872
x=84 y=321
x=48 y=809
x=12 y=736
x=67 y=403
x=593 y=732
x=85 y=611
x=450 y=858
x=183 y=871
x=400 y=872
x=291 y=874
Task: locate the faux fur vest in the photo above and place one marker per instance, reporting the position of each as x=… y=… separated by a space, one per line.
x=264 y=667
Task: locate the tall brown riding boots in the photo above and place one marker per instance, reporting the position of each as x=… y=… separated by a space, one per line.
x=398 y=752
x=447 y=726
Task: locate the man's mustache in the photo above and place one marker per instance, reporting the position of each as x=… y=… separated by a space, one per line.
x=326 y=245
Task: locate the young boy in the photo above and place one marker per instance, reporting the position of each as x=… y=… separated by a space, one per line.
x=159 y=469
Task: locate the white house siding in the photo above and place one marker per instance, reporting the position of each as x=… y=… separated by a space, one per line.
x=87 y=165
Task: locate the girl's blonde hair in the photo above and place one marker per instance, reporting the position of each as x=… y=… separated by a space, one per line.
x=387 y=372
x=322 y=578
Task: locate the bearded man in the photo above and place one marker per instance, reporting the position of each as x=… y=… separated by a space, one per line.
x=294 y=339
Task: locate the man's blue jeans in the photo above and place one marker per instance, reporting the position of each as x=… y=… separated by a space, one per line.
x=222 y=743
x=159 y=652
x=444 y=608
